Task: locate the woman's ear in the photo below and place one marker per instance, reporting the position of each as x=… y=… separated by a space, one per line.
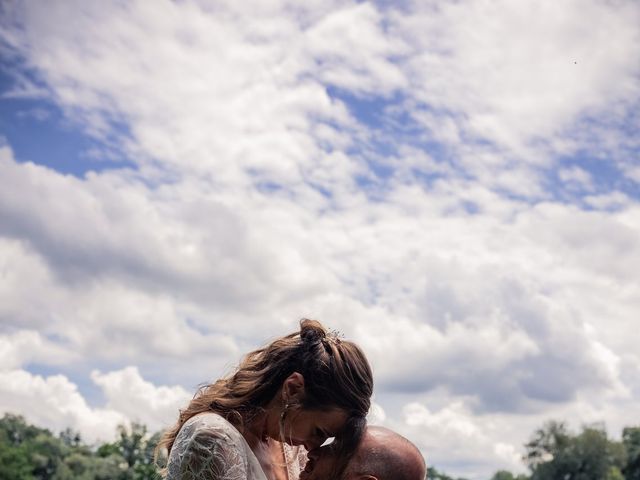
x=293 y=388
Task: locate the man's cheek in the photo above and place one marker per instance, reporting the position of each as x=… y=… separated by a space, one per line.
x=323 y=471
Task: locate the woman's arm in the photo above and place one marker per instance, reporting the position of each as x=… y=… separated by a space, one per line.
x=207 y=452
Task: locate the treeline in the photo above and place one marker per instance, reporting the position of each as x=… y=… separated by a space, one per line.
x=554 y=452
x=28 y=452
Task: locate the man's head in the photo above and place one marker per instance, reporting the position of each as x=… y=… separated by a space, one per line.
x=382 y=454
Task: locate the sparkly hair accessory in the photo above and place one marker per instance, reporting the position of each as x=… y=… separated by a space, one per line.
x=335 y=336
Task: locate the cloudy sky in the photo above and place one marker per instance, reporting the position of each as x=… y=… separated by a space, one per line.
x=455 y=185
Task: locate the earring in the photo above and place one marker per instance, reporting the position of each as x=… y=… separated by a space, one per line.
x=284 y=412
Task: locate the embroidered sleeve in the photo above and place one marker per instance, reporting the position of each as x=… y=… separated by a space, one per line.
x=205 y=450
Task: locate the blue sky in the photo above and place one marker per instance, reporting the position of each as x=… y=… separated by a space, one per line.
x=182 y=182
x=39 y=131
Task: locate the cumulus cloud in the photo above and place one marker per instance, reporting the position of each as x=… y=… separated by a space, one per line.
x=353 y=51
x=28 y=346
x=452 y=433
x=521 y=72
x=129 y=394
x=55 y=402
x=576 y=177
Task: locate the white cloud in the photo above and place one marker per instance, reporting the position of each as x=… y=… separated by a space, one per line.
x=453 y=435
x=377 y=415
x=54 y=402
x=521 y=71
x=576 y=177
x=353 y=51
x=129 y=394
x=613 y=201
x=28 y=346
x=633 y=172
x=39 y=114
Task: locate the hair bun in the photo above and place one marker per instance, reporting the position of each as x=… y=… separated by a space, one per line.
x=311 y=331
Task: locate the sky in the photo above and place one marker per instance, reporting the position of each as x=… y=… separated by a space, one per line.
x=453 y=185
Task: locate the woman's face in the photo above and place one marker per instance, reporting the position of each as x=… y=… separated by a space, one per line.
x=312 y=428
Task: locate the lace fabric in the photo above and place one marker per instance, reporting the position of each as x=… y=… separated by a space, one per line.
x=208 y=447
x=296 y=460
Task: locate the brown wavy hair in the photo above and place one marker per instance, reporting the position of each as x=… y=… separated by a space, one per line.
x=336 y=374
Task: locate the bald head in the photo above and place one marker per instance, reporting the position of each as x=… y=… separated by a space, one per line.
x=386 y=455
x=381 y=454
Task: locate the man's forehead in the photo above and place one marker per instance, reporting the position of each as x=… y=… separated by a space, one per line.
x=324 y=465
x=372 y=443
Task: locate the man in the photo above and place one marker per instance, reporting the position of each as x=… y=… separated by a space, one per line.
x=381 y=455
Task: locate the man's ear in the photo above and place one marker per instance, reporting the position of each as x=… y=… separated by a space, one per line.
x=293 y=388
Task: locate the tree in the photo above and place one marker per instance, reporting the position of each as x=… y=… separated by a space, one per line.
x=28 y=452
x=136 y=447
x=631 y=442
x=32 y=453
x=70 y=438
x=15 y=430
x=433 y=474
x=554 y=453
x=14 y=462
x=46 y=453
x=506 y=475
x=546 y=441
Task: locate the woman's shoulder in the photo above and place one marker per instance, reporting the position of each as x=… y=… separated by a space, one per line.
x=207 y=420
x=208 y=444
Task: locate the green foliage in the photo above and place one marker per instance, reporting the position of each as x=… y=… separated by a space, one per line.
x=631 y=442
x=505 y=475
x=15 y=431
x=433 y=474
x=614 y=473
x=71 y=438
x=553 y=453
x=32 y=453
x=14 y=462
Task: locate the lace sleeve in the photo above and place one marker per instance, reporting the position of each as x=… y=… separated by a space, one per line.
x=207 y=451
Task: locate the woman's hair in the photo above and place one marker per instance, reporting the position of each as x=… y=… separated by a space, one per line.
x=336 y=374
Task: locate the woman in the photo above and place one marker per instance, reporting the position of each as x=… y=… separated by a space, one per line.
x=298 y=391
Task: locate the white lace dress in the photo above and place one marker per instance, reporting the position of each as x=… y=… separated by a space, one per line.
x=208 y=447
